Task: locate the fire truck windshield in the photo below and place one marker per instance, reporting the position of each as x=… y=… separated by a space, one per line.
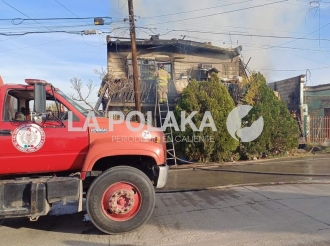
x=81 y=109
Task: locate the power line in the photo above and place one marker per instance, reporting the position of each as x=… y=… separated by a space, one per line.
x=68 y=9
x=226 y=12
x=108 y=5
x=53 y=27
x=21 y=20
x=39 y=32
x=221 y=26
x=240 y=34
x=2 y=40
x=36 y=45
x=197 y=10
x=23 y=13
x=289 y=70
x=278 y=70
x=328 y=65
x=295 y=39
x=261 y=45
x=268 y=69
x=305 y=58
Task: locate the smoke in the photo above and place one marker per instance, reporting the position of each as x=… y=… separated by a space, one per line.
x=280 y=19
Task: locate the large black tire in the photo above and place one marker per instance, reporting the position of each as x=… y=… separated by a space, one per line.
x=109 y=181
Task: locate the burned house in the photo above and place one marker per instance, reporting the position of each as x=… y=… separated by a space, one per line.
x=184 y=60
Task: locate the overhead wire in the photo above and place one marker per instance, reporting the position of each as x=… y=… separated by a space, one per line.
x=78 y=18
x=303 y=37
x=191 y=11
x=2 y=40
x=23 y=13
x=39 y=32
x=291 y=53
x=21 y=20
x=278 y=70
x=68 y=9
x=108 y=5
x=97 y=46
x=1 y=51
x=243 y=34
x=225 y=12
x=258 y=45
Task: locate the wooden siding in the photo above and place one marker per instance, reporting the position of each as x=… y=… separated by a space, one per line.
x=183 y=64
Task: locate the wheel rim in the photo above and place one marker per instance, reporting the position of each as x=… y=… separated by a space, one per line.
x=121 y=201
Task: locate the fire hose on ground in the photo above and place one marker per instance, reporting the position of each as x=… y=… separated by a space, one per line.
x=211 y=169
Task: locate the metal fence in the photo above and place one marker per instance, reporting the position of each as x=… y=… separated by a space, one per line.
x=319 y=129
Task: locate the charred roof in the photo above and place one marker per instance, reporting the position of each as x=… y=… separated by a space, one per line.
x=154 y=44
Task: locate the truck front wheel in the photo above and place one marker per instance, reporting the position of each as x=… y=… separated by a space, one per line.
x=120 y=200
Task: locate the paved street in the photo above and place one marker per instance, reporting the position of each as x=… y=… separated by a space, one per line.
x=246 y=215
x=271 y=215
x=313 y=167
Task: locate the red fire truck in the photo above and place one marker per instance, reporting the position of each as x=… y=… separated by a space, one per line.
x=49 y=156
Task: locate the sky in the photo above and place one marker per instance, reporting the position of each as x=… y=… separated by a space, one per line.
x=282 y=39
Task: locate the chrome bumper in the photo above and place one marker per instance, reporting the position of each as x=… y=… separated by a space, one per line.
x=162 y=175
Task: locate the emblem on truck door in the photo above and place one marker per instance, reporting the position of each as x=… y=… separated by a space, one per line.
x=28 y=138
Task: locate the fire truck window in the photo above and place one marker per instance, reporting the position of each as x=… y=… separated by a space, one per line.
x=20 y=103
x=59 y=110
x=11 y=108
x=15 y=105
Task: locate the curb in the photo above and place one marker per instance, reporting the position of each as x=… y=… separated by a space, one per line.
x=256 y=162
x=223 y=187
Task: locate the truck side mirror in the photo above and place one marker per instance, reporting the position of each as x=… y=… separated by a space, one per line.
x=39 y=98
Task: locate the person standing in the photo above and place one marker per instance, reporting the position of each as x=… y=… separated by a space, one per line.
x=162 y=78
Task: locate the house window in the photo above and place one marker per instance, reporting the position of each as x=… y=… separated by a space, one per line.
x=147 y=68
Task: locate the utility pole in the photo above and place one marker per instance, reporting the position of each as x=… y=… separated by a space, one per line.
x=137 y=93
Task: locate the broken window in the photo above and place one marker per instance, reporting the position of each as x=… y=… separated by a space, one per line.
x=147 y=68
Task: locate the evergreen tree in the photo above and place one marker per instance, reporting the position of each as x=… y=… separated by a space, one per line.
x=280 y=131
x=205 y=96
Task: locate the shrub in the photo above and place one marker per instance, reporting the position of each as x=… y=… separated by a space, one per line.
x=205 y=96
x=281 y=131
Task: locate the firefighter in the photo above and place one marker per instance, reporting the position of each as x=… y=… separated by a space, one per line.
x=162 y=78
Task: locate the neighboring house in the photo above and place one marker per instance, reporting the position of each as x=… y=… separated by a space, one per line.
x=184 y=60
x=318 y=100
x=291 y=92
x=310 y=103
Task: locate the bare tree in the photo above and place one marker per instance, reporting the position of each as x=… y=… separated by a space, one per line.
x=113 y=85
x=77 y=85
